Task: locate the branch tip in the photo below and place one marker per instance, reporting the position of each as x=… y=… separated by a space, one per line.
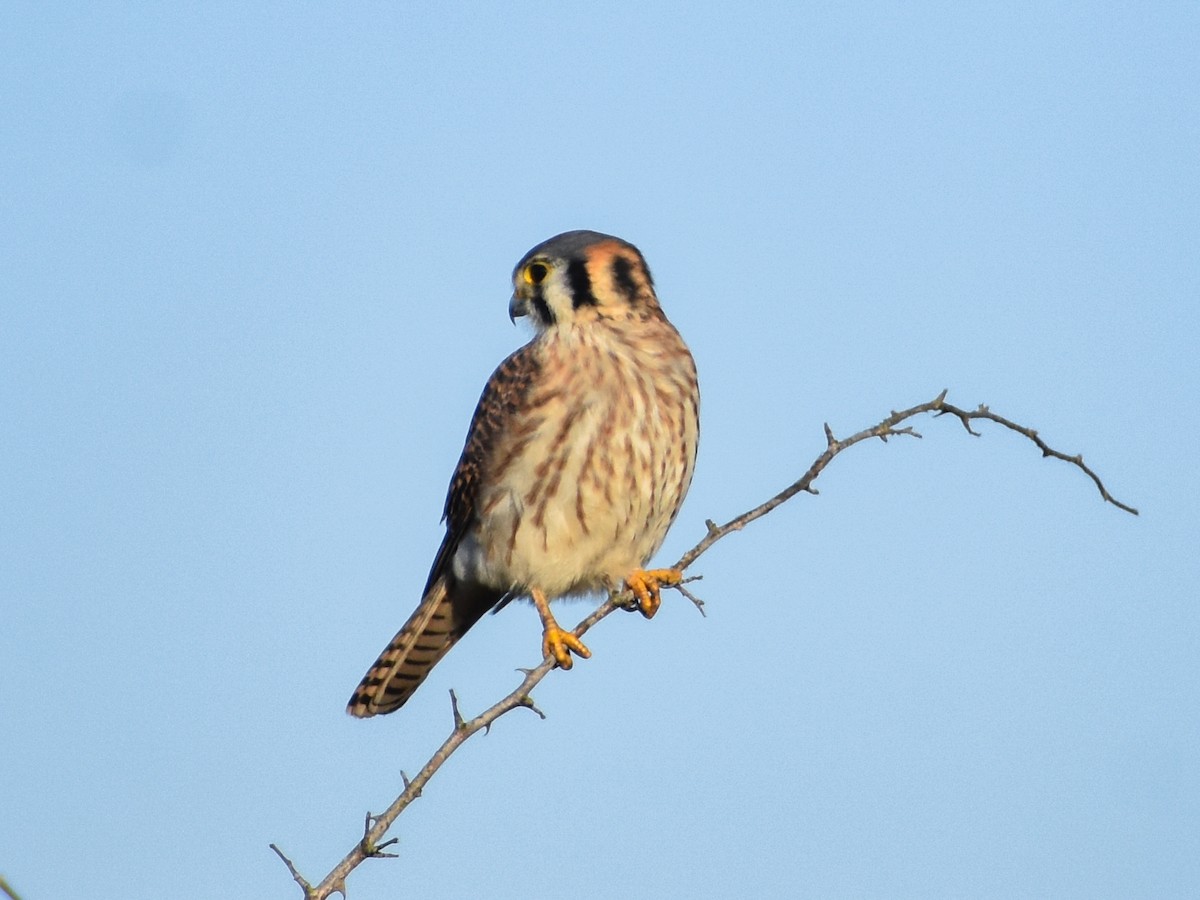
x=296 y=876
x=696 y=601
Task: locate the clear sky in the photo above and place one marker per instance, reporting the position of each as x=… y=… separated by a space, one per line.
x=255 y=263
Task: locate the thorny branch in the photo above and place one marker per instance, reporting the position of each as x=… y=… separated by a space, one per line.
x=371 y=845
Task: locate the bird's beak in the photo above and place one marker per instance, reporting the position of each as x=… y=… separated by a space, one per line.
x=517 y=307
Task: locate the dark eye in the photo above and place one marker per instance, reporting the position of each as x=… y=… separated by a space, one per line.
x=535 y=273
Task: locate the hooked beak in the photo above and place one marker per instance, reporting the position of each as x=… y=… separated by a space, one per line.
x=517 y=307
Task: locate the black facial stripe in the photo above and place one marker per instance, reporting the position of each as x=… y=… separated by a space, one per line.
x=622 y=272
x=581 y=284
x=541 y=307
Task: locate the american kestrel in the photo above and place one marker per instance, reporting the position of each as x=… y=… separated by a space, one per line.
x=576 y=462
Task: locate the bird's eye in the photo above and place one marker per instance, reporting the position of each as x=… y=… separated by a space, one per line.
x=536 y=272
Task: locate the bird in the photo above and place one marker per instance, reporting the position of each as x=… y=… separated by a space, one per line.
x=577 y=459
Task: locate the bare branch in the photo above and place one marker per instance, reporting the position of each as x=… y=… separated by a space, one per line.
x=377 y=826
x=1077 y=460
x=696 y=601
x=297 y=877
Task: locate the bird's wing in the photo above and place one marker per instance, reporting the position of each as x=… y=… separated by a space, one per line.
x=498 y=409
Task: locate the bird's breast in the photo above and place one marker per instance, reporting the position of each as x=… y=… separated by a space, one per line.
x=583 y=485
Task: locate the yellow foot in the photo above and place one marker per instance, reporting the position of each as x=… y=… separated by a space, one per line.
x=645 y=584
x=561 y=644
x=556 y=642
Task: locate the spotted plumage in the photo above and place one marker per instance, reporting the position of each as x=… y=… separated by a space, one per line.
x=577 y=459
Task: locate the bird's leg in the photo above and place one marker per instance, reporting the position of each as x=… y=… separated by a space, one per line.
x=645 y=584
x=556 y=642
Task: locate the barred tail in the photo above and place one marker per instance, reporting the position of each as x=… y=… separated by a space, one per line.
x=446 y=612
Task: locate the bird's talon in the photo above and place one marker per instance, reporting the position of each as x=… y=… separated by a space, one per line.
x=646 y=585
x=561 y=644
x=556 y=643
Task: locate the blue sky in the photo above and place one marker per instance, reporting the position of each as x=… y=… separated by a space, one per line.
x=256 y=269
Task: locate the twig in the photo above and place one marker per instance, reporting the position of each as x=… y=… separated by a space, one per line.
x=377 y=826
x=296 y=876
x=1077 y=460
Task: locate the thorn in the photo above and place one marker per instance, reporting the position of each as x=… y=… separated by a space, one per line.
x=528 y=703
x=458 y=719
x=377 y=850
x=941 y=397
x=829 y=438
x=713 y=527
x=371 y=849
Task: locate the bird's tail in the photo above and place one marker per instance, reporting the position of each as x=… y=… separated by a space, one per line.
x=447 y=610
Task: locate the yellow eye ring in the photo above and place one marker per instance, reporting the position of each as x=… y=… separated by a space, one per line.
x=535 y=273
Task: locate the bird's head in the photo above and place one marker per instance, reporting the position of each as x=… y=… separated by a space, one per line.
x=579 y=276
